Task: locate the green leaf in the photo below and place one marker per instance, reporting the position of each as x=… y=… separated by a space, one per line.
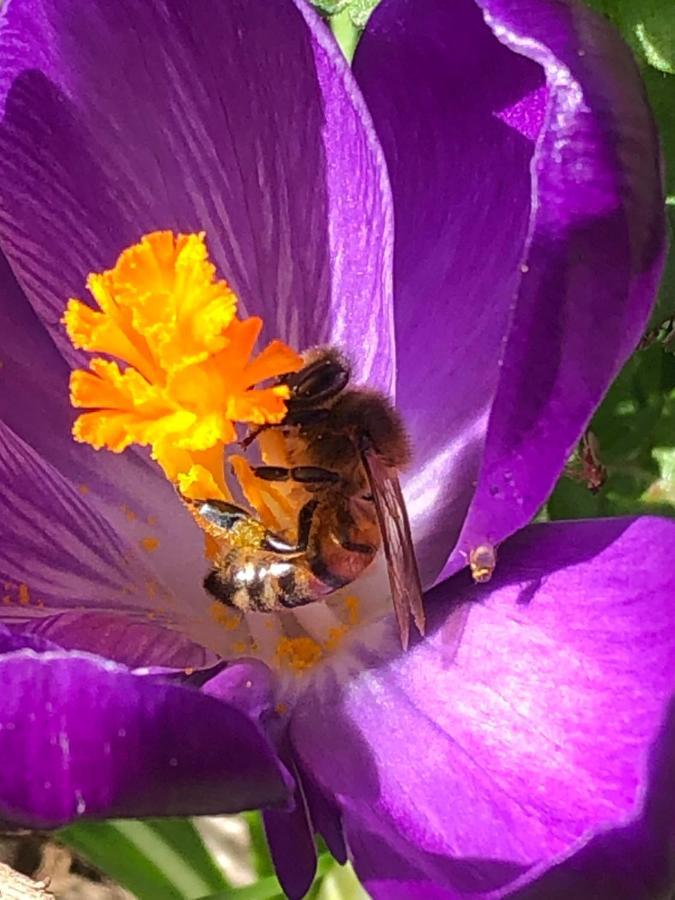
x=341 y=883
x=155 y=859
x=262 y=861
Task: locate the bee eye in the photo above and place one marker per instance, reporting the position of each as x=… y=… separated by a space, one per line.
x=322 y=380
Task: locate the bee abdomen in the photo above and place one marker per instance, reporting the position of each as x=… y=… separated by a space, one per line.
x=259 y=586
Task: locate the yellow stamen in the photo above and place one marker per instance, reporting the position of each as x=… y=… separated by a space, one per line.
x=183 y=372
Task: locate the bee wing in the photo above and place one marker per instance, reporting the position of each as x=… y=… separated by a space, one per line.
x=392 y=517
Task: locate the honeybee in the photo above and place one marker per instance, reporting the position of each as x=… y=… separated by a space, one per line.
x=346 y=446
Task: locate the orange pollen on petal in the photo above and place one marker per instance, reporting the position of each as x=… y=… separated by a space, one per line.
x=298 y=653
x=149 y=544
x=24 y=595
x=227 y=619
x=183 y=371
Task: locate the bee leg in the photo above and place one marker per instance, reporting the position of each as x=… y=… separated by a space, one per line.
x=305 y=519
x=301 y=474
x=272 y=473
x=314 y=475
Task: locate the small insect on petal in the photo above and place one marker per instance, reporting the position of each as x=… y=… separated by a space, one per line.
x=482 y=562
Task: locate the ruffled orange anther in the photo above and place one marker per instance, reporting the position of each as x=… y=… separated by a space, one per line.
x=183 y=372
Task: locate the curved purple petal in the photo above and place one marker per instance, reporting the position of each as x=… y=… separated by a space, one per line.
x=517 y=297
x=80 y=736
x=325 y=817
x=292 y=848
x=117 y=637
x=622 y=864
x=594 y=257
x=461 y=186
x=126 y=488
x=241 y=120
x=388 y=875
x=246 y=684
x=521 y=726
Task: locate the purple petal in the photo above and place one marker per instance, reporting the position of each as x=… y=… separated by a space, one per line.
x=388 y=875
x=499 y=369
x=622 y=864
x=289 y=837
x=593 y=260
x=247 y=685
x=84 y=737
x=239 y=119
x=531 y=735
x=325 y=818
x=134 y=644
x=461 y=186
x=292 y=849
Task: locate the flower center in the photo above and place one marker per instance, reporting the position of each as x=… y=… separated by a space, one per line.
x=179 y=376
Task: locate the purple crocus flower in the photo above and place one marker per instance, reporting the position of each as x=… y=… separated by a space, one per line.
x=475 y=214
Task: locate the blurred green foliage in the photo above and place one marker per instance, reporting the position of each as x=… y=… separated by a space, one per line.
x=635 y=431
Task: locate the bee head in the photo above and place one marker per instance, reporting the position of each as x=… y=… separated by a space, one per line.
x=325 y=374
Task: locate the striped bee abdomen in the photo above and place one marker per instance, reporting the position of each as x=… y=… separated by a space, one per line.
x=261 y=582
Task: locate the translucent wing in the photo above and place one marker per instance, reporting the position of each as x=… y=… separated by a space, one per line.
x=404 y=578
